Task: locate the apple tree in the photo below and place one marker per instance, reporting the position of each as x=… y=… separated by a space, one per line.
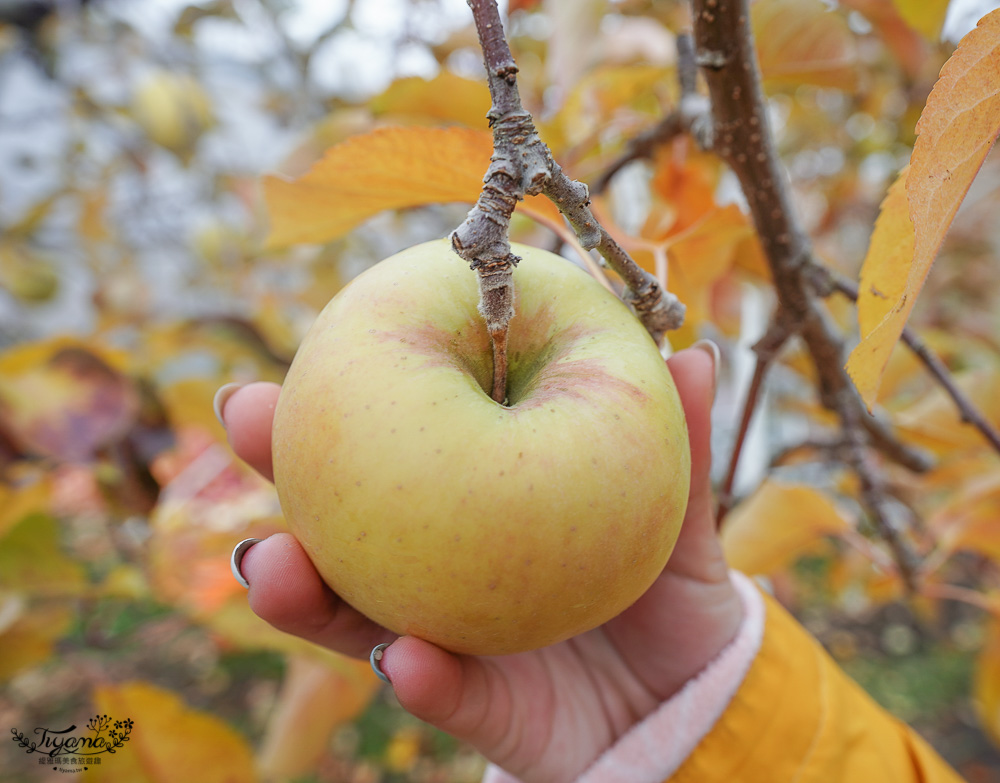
x=183 y=187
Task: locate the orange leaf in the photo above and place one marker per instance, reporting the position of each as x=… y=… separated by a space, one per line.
x=316 y=697
x=447 y=98
x=958 y=127
x=803 y=42
x=169 y=741
x=389 y=168
x=779 y=522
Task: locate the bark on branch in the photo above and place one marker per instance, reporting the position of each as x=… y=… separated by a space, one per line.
x=523 y=165
x=724 y=48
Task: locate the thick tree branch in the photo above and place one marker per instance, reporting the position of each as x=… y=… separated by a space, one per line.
x=742 y=137
x=523 y=165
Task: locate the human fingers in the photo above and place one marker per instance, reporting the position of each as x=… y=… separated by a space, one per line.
x=697 y=549
x=247 y=413
x=286 y=591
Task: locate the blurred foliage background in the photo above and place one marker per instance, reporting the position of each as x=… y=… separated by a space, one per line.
x=135 y=279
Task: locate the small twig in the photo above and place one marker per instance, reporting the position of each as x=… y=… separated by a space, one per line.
x=691 y=116
x=961 y=594
x=766 y=349
x=523 y=165
x=874 y=495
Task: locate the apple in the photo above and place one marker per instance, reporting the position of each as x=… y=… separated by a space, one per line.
x=435 y=511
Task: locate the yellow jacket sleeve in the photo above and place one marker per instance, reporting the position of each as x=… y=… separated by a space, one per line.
x=798 y=718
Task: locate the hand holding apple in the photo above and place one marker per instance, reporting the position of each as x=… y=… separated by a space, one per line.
x=548 y=714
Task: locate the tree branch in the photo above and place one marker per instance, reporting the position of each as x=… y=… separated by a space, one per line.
x=742 y=137
x=968 y=412
x=692 y=116
x=523 y=165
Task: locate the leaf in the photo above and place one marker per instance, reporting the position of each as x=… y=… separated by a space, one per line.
x=986 y=682
x=316 y=697
x=30 y=495
x=28 y=634
x=779 y=522
x=968 y=521
x=934 y=422
x=64 y=399
x=32 y=560
x=924 y=16
x=804 y=42
x=389 y=168
x=170 y=741
x=959 y=125
x=447 y=98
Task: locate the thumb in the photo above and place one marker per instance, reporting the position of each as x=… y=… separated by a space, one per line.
x=465 y=696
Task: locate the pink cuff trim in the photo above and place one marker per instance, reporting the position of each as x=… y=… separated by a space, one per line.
x=655 y=748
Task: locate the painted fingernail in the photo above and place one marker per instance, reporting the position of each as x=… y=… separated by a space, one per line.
x=710 y=347
x=236 y=559
x=222 y=397
x=375 y=659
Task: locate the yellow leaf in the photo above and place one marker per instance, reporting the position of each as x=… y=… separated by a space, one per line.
x=934 y=422
x=18 y=500
x=447 y=98
x=403 y=749
x=804 y=42
x=779 y=522
x=958 y=127
x=28 y=633
x=884 y=272
x=169 y=740
x=969 y=520
x=316 y=697
x=924 y=16
x=32 y=560
x=986 y=683
x=603 y=91
x=390 y=168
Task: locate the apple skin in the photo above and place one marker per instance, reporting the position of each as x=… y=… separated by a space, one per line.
x=483 y=528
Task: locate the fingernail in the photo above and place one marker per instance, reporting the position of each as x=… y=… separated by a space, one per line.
x=222 y=397
x=709 y=347
x=375 y=659
x=236 y=559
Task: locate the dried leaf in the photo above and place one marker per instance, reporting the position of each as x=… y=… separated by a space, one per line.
x=170 y=741
x=779 y=522
x=924 y=16
x=390 y=168
x=316 y=697
x=958 y=127
x=64 y=399
x=804 y=42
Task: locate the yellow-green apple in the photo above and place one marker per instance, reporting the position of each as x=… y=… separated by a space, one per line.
x=437 y=512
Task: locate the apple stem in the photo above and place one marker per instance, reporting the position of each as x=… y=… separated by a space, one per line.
x=499 y=339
